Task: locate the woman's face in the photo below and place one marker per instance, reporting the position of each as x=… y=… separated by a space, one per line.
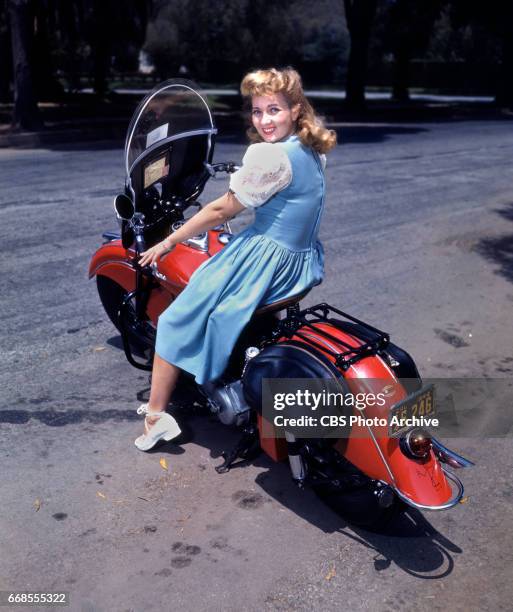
x=272 y=117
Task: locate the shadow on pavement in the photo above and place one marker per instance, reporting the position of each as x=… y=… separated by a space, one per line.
x=409 y=542
x=499 y=250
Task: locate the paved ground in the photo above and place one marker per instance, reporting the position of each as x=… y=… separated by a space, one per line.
x=419 y=239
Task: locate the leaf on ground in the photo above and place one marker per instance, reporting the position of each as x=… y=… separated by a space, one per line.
x=331 y=574
x=99 y=348
x=163 y=464
x=100 y=494
x=464 y=500
x=37 y=504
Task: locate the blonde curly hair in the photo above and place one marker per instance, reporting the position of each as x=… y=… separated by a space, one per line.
x=309 y=127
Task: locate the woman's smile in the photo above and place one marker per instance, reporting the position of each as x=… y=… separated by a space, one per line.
x=272 y=117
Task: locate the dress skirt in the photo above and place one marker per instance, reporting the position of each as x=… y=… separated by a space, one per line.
x=198 y=331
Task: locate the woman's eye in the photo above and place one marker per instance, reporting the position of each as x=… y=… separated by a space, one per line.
x=273 y=110
x=256 y=113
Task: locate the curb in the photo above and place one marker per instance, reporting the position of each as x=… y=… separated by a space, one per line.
x=226 y=122
x=27 y=140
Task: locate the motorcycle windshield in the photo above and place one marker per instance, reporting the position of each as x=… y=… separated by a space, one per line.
x=173 y=110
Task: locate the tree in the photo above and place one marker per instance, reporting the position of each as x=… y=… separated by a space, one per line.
x=5 y=54
x=408 y=27
x=359 y=17
x=26 y=113
x=497 y=17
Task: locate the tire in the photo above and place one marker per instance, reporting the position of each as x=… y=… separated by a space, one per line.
x=354 y=498
x=111 y=296
x=141 y=334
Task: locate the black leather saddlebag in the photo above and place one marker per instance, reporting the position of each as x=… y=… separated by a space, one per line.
x=284 y=360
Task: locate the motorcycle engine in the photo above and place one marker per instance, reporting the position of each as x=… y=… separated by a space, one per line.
x=227 y=402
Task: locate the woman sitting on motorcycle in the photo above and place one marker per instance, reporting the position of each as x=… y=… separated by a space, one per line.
x=278 y=256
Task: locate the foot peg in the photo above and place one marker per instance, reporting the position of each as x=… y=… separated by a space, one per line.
x=247 y=448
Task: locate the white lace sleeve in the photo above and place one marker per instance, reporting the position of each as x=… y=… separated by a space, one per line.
x=265 y=170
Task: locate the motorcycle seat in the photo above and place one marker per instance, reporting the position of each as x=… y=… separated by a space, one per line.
x=282 y=304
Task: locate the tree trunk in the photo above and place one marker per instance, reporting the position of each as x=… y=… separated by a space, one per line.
x=401 y=73
x=359 y=16
x=5 y=54
x=504 y=96
x=26 y=113
x=101 y=45
x=45 y=82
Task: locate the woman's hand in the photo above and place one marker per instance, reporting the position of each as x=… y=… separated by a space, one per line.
x=151 y=256
x=215 y=213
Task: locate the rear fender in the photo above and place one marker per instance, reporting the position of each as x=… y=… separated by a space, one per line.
x=369 y=448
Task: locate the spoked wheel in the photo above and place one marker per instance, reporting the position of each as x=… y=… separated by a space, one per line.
x=141 y=334
x=355 y=497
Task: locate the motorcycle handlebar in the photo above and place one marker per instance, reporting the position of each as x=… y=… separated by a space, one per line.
x=229 y=167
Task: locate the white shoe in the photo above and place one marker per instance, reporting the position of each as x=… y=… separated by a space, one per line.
x=166 y=428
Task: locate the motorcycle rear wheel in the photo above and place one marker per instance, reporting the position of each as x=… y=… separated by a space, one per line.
x=355 y=498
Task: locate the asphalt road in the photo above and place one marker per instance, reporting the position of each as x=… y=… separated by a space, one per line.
x=418 y=234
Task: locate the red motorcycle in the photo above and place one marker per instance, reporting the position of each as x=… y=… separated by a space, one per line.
x=366 y=475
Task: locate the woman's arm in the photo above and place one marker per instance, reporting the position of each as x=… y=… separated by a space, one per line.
x=215 y=213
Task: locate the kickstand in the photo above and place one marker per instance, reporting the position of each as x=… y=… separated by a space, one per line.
x=247 y=447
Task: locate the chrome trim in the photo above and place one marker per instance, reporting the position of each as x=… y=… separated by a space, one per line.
x=443 y=454
x=452 y=502
x=200 y=243
x=129 y=185
x=393 y=363
x=380 y=452
x=319 y=339
x=129 y=140
x=110 y=235
x=164 y=141
x=224 y=237
x=156 y=273
x=213 y=131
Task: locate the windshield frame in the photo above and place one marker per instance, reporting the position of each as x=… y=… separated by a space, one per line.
x=142 y=107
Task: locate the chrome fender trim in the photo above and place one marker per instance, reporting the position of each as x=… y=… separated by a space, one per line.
x=458 y=494
x=445 y=455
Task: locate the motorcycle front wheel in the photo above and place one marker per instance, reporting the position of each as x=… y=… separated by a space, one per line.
x=141 y=333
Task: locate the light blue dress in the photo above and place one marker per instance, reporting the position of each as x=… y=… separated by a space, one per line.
x=276 y=257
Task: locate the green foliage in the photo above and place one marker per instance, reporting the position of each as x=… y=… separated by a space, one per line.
x=220 y=41
x=196 y=33
x=457 y=41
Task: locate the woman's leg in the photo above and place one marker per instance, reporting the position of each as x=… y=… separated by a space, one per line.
x=163 y=382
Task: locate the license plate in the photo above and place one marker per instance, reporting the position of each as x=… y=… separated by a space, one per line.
x=416 y=410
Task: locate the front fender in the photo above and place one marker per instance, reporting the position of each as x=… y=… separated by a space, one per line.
x=111 y=260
